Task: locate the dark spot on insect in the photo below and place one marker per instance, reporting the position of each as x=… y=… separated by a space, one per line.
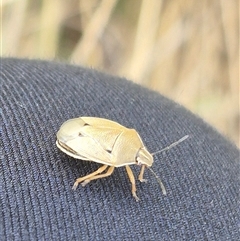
x=109 y=151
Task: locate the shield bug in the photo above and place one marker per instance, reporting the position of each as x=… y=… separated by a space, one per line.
x=106 y=142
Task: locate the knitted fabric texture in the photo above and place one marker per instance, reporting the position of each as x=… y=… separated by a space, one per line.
x=201 y=175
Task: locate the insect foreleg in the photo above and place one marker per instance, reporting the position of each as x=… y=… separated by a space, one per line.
x=140 y=177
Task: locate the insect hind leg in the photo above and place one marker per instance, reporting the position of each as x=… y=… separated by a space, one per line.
x=89 y=176
x=108 y=173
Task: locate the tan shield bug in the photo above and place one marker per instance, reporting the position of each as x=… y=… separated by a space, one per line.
x=106 y=142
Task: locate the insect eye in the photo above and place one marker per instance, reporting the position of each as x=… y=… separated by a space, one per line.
x=138 y=162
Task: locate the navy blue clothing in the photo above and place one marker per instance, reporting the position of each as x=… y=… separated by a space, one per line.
x=201 y=175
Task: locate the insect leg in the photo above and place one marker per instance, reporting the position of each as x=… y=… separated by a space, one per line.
x=81 y=179
x=140 y=177
x=132 y=180
x=108 y=173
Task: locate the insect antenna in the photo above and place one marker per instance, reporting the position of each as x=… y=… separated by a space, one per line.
x=165 y=149
x=172 y=145
x=159 y=181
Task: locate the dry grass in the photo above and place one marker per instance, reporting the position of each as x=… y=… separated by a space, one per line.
x=185 y=49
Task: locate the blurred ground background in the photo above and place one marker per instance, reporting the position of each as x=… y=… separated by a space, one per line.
x=187 y=50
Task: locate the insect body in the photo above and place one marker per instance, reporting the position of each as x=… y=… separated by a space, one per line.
x=106 y=142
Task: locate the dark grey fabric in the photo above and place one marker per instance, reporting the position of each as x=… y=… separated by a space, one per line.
x=201 y=174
